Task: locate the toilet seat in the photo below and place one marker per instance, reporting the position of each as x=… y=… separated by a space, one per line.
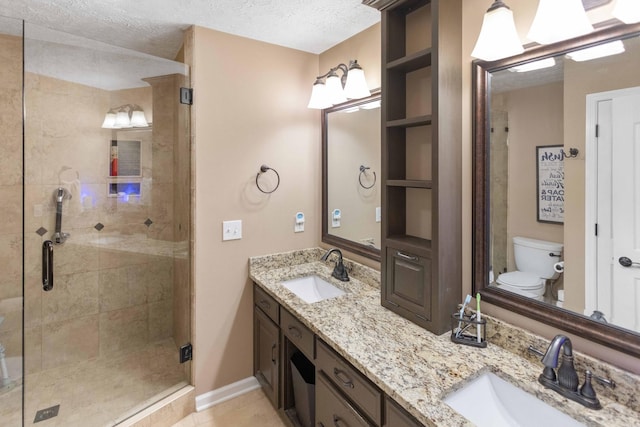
x=522 y=283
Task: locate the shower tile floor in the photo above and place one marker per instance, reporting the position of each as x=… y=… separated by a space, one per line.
x=99 y=392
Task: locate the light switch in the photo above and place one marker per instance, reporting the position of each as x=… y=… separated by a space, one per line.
x=378 y=214
x=232 y=230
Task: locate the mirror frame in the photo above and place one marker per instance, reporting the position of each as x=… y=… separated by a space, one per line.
x=613 y=337
x=340 y=242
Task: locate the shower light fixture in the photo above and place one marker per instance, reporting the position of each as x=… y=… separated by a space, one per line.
x=331 y=89
x=125 y=116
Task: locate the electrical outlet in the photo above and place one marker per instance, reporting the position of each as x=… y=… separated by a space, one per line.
x=232 y=230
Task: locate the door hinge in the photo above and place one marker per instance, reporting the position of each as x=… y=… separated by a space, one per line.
x=186 y=96
x=596 y=229
x=597 y=131
x=186 y=353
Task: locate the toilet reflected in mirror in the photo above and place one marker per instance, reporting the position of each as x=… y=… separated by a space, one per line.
x=534 y=260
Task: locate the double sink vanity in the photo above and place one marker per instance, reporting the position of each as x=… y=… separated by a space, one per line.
x=375 y=368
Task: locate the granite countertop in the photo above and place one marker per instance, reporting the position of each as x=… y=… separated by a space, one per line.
x=412 y=365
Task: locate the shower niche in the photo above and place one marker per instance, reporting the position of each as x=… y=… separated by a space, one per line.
x=125 y=168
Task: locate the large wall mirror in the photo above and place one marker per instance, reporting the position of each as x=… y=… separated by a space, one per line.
x=557 y=185
x=351 y=176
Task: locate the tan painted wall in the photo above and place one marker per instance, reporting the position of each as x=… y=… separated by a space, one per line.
x=524 y=11
x=354 y=140
x=528 y=109
x=250 y=110
x=247 y=114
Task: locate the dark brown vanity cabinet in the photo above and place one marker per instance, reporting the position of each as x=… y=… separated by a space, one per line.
x=362 y=399
x=344 y=396
x=266 y=345
x=395 y=416
x=408 y=284
x=421 y=159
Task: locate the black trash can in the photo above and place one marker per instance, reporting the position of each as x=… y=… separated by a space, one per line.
x=303 y=377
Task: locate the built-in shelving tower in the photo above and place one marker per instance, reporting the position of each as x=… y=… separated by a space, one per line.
x=421 y=159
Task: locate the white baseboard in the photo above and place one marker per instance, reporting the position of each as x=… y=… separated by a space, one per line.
x=222 y=394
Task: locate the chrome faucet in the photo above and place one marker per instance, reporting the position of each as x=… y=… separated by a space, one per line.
x=339 y=271
x=565 y=380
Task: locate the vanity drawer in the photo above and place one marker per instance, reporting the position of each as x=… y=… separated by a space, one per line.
x=298 y=334
x=332 y=410
x=350 y=381
x=266 y=303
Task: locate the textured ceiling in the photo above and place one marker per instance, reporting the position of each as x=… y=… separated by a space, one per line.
x=155 y=26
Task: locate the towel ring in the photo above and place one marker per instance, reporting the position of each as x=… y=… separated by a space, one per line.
x=263 y=169
x=363 y=170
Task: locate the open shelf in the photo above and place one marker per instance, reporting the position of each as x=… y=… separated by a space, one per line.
x=412 y=62
x=409 y=183
x=410 y=122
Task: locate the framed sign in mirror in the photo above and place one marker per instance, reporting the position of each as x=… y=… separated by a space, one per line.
x=550 y=183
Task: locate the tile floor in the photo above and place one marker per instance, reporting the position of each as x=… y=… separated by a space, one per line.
x=99 y=392
x=248 y=410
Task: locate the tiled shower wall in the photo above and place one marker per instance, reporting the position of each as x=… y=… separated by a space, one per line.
x=114 y=284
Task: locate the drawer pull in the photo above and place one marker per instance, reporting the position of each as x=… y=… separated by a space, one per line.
x=264 y=303
x=407 y=257
x=340 y=376
x=295 y=332
x=273 y=358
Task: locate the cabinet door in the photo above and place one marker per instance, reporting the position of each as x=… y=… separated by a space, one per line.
x=408 y=283
x=398 y=417
x=266 y=358
x=333 y=410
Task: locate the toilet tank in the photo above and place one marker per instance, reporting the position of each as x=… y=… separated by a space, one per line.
x=532 y=256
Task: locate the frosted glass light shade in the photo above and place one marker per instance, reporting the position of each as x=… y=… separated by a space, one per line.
x=627 y=11
x=122 y=120
x=319 y=97
x=356 y=86
x=498 y=37
x=535 y=65
x=559 y=20
x=109 y=120
x=599 y=51
x=335 y=92
x=138 y=120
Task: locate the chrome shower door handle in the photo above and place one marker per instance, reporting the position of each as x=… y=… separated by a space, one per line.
x=47 y=265
x=59 y=237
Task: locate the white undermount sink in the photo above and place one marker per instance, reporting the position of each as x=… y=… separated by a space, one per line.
x=490 y=401
x=312 y=289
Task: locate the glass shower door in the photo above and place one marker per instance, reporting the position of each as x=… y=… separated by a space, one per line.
x=106 y=230
x=11 y=293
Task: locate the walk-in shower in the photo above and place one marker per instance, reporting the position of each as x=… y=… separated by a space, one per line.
x=95 y=282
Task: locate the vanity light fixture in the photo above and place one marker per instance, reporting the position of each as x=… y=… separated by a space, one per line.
x=330 y=89
x=535 y=65
x=599 y=51
x=125 y=116
x=559 y=20
x=627 y=11
x=498 y=37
